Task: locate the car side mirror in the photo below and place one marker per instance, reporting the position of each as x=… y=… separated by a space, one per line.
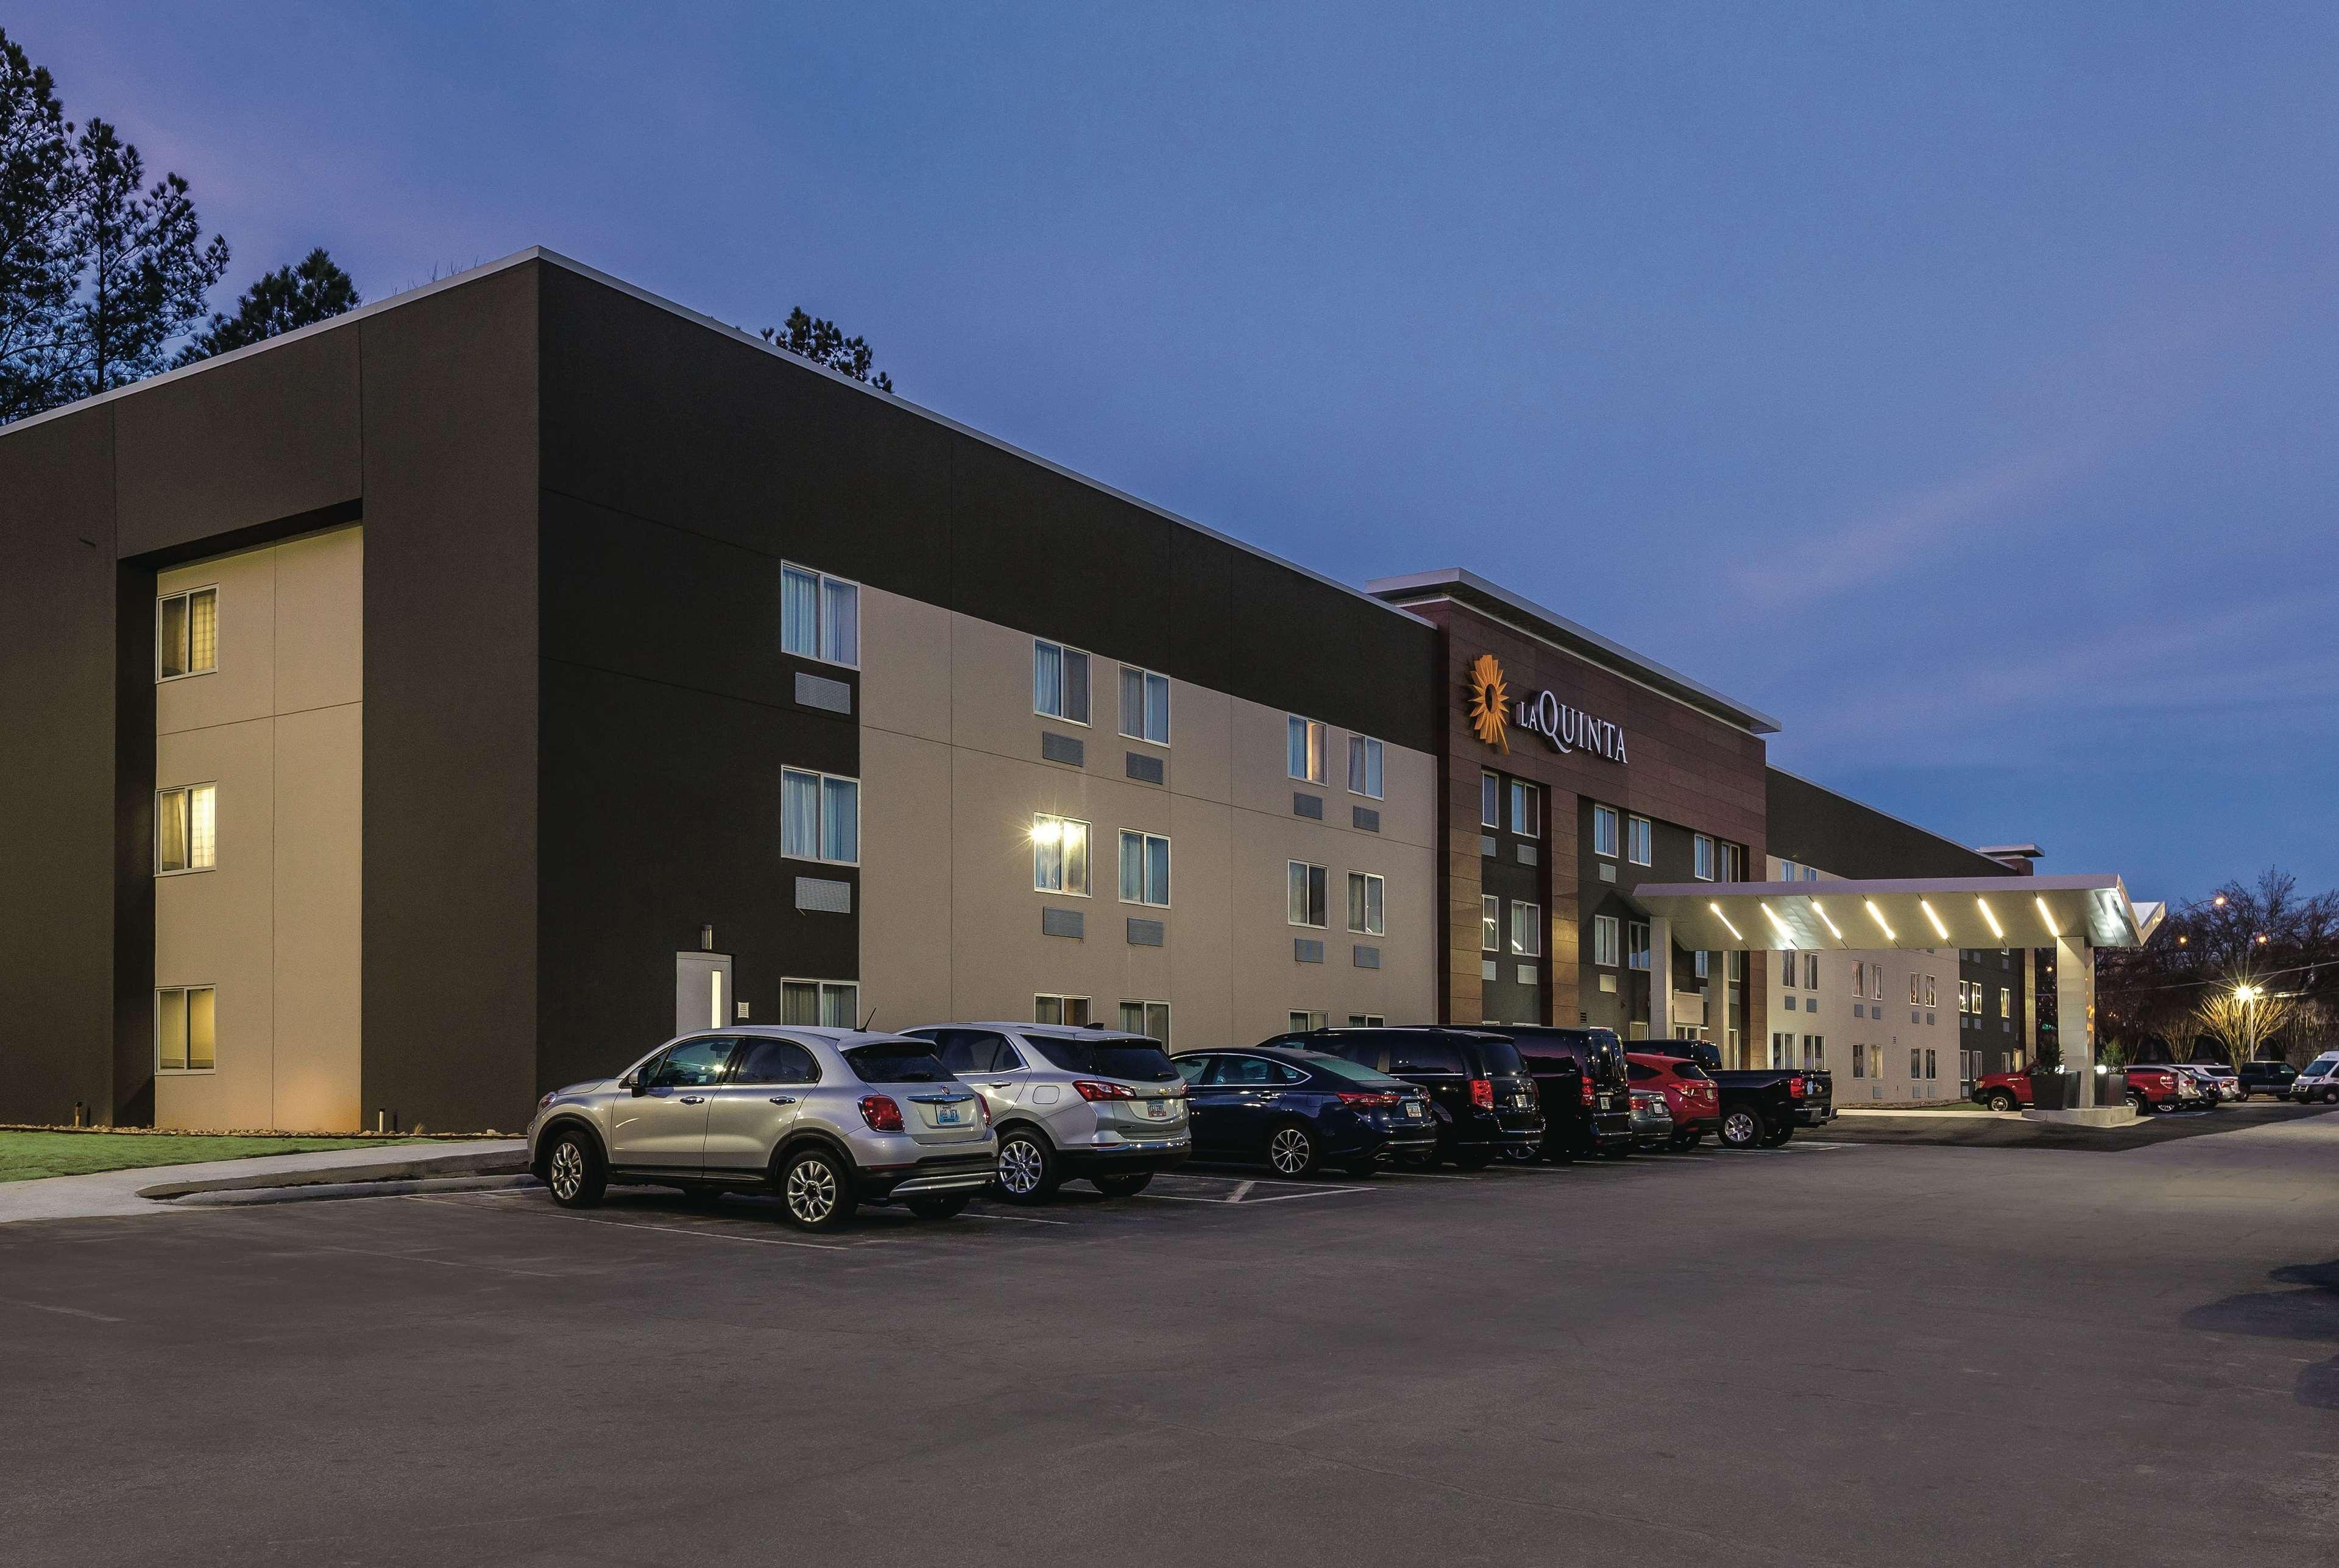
x=638 y=1086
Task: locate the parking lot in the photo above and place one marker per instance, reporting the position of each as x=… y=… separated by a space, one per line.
x=1837 y=1352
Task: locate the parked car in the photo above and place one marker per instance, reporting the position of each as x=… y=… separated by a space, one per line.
x=1691 y=1095
x=2222 y=1078
x=826 y=1117
x=1761 y=1106
x=2003 y=1091
x=1070 y=1104
x=2274 y=1078
x=2157 y=1086
x=1298 y=1109
x=2213 y=1090
x=2318 y=1080
x=1653 y=1121
x=1479 y=1090
x=1580 y=1081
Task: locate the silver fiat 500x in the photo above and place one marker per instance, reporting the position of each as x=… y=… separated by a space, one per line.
x=1070 y=1103
x=825 y=1117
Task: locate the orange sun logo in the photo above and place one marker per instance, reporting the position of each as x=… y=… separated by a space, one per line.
x=1490 y=701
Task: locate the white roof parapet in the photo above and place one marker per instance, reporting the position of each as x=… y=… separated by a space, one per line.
x=1853 y=916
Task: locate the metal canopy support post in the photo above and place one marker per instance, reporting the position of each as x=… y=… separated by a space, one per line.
x=2075 y=1016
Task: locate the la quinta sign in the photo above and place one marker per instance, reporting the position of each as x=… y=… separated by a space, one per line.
x=1494 y=713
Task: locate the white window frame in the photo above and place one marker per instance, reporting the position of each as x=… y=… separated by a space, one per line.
x=1490 y=799
x=188 y=595
x=1363 y=887
x=1087 y=855
x=1065 y=653
x=187 y=794
x=1639 y=942
x=1306 y=743
x=1526 y=801
x=1810 y=971
x=1490 y=923
x=821 y=992
x=1302 y=1020
x=1145 y=1006
x=1603 y=816
x=1607 y=942
x=1932 y=994
x=187 y=1011
x=1063 y=1009
x=1145 y=688
x=820 y=626
x=1367 y=1021
x=1313 y=876
x=2005 y=1001
x=1527 y=919
x=1145 y=846
x=1640 y=841
x=820 y=855
x=1702 y=858
x=1365 y=749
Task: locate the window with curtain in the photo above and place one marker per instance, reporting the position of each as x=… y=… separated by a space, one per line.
x=1640 y=841
x=1527 y=929
x=186 y=830
x=1490 y=923
x=1604 y=940
x=1810 y=971
x=1368 y=894
x=1365 y=759
x=1144 y=706
x=821 y=1003
x=1060 y=682
x=186 y=633
x=1151 y=1018
x=1604 y=831
x=820 y=816
x=1700 y=856
x=1059 y=855
x=1306 y=759
x=1636 y=944
x=1144 y=868
x=1302 y=1022
x=1307 y=891
x=186 y=1029
x=1526 y=809
x=1064 y=1009
x=820 y=616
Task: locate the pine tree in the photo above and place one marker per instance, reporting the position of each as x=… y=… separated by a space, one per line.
x=826 y=342
x=148 y=268
x=297 y=296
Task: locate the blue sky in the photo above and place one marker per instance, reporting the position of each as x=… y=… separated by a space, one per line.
x=1956 y=385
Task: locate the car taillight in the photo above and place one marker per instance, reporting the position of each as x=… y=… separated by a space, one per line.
x=881 y=1113
x=1482 y=1093
x=1584 y=1088
x=1796 y=1087
x=986 y=1108
x=1367 y=1098
x=1090 y=1090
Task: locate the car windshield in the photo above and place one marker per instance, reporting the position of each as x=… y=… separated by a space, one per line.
x=1340 y=1067
x=1607 y=1053
x=1501 y=1057
x=1138 y=1060
x=897 y=1061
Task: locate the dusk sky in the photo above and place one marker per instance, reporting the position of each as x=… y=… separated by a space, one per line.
x=1957 y=388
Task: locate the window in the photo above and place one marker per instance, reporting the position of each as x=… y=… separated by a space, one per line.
x=1810 y=971
x=1604 y=831
x=1859 y=979
x=1734 y=862
x=1640 y=840
x=1490 y=923
x=1916 y=1064
x=1367 y=898
x=1526 y=809
x=1144 y=868
x=185 y=1029
x=1307 y=893
x=1305 y=1022
x=820 y=817
x=768 y=1060
x=1144 y=706
x=186 y=633
x=1604 y=941
x=1151 y=1018
x=820 y=615
x=1860 y=1062
x=1307 y=749
x=1365 y=757
x=2005 y=1002
x=1702 y=963
x=1916 y=991
x=186 y=836
x=1787 y=970
x=1876 y=982
x=1060 y=682
x=1527 y=929
x=1366 y=1021
x=1929 y=993
x=1490 y=801
x=1737 y=962
x=1636 y=944
x=1815 y=1051
x=821 y=1003
x=1929 y=1063
x=1786 y=870
x=1065 y=1009
x=1059 y=855
x=1700 y=856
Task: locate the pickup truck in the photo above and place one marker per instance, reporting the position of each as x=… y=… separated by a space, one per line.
x=1761 y=1106
x=2149 y=1088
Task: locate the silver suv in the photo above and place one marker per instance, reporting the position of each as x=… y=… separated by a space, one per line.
x=1070 y=1103
x=825 y=1117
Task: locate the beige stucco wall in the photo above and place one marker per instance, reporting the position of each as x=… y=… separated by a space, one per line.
x=951 y=776
x=275 y=925
x=1896 y=1029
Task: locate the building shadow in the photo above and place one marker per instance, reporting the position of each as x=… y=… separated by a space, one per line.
x=2306 y=1314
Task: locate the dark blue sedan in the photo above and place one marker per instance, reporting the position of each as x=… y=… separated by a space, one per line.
x=1298 y=1111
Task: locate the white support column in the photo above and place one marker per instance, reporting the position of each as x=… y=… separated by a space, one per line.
x=2075 y=1012
x=1660 y=978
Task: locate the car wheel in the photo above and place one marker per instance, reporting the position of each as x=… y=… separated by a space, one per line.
x=1741 y=1128
x=817 y=1191
x=1123 y=1186
x=574 y=1172
x=2331 y=1097
x=1292 y=1151
x=1999 y=1100
x=2143 y=1106
x=1027 y=1168
x=941 y=1205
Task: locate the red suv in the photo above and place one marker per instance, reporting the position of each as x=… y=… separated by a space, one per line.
x=1692 y=1097
x=2149 y=1088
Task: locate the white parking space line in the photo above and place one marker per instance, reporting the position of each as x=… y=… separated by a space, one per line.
x=672 y=1229
x=1311 y=1192
x=1020 y=1218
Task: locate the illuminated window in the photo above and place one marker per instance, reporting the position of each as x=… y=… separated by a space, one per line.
x=185 y=1029
x=186 y=633
x=186 y=829
x=1305 y=756
x=1059 y=855
x=820 y=616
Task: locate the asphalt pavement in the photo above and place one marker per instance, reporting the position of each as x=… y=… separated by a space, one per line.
x=1838 y=1352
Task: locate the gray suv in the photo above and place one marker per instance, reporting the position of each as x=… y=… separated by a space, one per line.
x=1070 y=1103
x=825 y=1117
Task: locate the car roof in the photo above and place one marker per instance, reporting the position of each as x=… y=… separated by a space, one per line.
x=837 y=1039
x=1054 y=1031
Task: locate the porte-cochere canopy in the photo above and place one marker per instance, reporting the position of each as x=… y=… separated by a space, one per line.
x=1974 y=911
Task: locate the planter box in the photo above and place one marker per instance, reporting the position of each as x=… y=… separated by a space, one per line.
x=2054 y=1091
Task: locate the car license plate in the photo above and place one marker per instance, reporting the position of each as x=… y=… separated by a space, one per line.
x=1157 y=1108
x=1412 y=1109
x=950 y=1116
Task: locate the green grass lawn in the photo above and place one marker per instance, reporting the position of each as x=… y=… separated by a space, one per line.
x=26 y=1155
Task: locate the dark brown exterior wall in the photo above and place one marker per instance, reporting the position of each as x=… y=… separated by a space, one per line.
x=1685 y=768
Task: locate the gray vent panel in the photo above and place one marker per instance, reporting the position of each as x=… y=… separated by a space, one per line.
x=1070 y=750
x=1069 y=922
x=820 y=691
x=824 y=895
x=1306 y=950
x=1311 y=805
x=1145 y=769
x=1146 y=932
x=1367 y=957
x=1366 y=818
x=1528 y=854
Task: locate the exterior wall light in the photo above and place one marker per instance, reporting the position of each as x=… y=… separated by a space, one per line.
x=1878 y=916
x=2046 y=916
x=1938 y=929
x=1823 y=919
x=1995 y=929
x=1734 y=933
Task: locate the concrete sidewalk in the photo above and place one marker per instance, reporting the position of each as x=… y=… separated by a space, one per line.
x=120 y=1192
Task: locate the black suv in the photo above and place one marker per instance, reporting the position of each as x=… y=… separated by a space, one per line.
x=1580 y=1076
x=2274 y=1078
x=1479 y=1089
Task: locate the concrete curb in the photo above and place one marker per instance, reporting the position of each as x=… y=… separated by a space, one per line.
x=118 y=1194
x=497 y=1161
x=327 y=1191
